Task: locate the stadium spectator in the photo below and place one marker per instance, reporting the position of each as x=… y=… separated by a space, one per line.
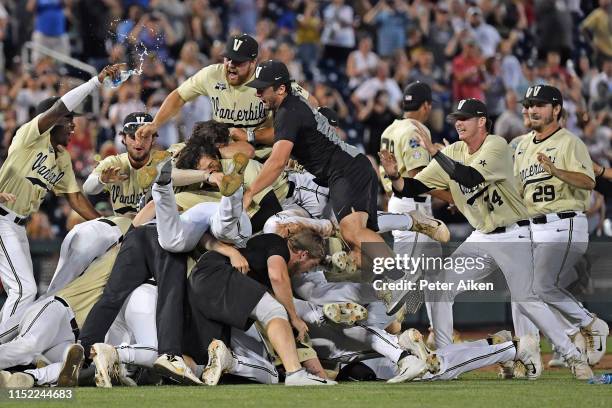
x=361 y=63
x=391 y=19
x=50 y=25
x=468 y=72
x=338 y=35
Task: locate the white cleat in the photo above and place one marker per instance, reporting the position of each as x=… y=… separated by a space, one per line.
x=106 y=360
x=412 y=340
x=303 y=377
x=578 y=363
x=15 y=380
x=409 y=368
x=345 y=313
x=220 y=361
x=69 y=374
x=528 y=353
x=174 y=367
x=430 y=226
x=557 y=361
x=595 y=335
x=506 y=369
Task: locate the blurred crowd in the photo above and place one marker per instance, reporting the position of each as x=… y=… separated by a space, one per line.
x=354 y=56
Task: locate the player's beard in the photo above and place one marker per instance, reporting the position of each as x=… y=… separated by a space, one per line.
x=540 y=123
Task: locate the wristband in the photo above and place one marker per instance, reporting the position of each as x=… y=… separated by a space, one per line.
x=603 y=170
x=393 y=178
x=250 y=136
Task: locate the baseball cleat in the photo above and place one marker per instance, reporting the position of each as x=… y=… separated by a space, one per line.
x=69 y=374
x=409 y=368
x=345 y=313
x=506 y=369
x=431 y=339
x=150 y=173
x=430 y=226
x=412 y=340
x=175 y=368
x=106 y=360
x=231 y=182
x=220 y=361
x=344 y=262
x=557 y=361
x=595 y=335
x=578 y=363
x=15 y=380
x=303 y=377
x=528 y=353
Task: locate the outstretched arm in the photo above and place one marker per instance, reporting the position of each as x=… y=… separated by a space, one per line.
x=270 y=171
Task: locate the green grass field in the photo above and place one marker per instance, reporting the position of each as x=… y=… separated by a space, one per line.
x=482 y=389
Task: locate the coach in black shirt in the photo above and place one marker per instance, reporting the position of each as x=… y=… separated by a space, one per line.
x=308 y=137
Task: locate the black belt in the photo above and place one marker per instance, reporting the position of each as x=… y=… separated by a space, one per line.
x=419 y=199
x=291 y=189
x=541 y=219
x=106 y=221
x=151 y=281
x=500 y=230
x=17 y=220
x=73 y=323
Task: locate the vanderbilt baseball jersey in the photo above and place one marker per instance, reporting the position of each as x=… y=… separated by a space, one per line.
x=515 y=142
x=401 y=140
x=33 y=168
x=124 y=196
x=237 y=106
x=82 y=293
x=543 y=193
x=491 y=204
x=187 y=199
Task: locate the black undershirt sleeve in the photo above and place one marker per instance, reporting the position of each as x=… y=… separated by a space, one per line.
x=603 y=186
x=465 y=175
x=412 y=188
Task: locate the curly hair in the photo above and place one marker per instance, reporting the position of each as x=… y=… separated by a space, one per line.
x=190 y=155
x=209 y=132
x=309 y=241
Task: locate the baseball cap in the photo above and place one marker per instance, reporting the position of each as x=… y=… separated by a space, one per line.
x=241 y=48
x=270 y=73
x=543 y=93
x=46 y=104
x=134 y=120
x=330 y=115
x=415 y=94
x=469 y=108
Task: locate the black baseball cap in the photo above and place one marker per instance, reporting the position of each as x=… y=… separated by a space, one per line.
x=134 y=120
x=469 y=108
x=415 y=94
x=330 y=115
x=46 y=104
x=269 y=73
x=543 y=93
x=241 y=48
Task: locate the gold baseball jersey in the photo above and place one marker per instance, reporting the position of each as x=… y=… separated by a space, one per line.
x=83 y=292
x=237 y=106
x=543 y=193
x=124 y=196
x=515 y=142
x=491 y=204
x=187 y=199
x=33 y=168
x=401 y=140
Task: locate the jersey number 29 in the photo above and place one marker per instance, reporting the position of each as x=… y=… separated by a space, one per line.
x=544 y=194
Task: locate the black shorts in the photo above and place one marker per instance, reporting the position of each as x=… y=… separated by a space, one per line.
x=355 y=188
x=221 y=293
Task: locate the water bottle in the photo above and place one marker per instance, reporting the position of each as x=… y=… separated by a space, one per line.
x=602 y=379
x=115 y=82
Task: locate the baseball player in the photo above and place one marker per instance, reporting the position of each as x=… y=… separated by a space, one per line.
x=233 y=103
x=556 y=176
x=117 y=175
x=478 y=171
x=351 y=179
x=37 y=163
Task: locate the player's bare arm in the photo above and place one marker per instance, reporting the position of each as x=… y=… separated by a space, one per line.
x=576 y=179
x=170 y=107
x=601 y=171
x=272 y=168
x=228 y=151
x=7 y=197
x=236 y=259
x=82 y=206
x=264 y=136
x=73 y=98
x=281 y=285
